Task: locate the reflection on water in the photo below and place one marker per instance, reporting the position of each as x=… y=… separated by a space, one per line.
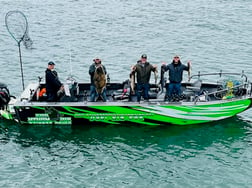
x=202 y=135
x=214 y=35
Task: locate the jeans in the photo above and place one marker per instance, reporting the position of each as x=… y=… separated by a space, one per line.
x=173 y=89
x=143 y=89
x=94 y=94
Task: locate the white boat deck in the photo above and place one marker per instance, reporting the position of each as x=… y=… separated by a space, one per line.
x=31 y=88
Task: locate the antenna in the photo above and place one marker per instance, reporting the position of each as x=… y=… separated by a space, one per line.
x=70 y=60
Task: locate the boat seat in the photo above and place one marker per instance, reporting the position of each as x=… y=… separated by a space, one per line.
x=121 y=94
x=193 y=89
x=196 y=86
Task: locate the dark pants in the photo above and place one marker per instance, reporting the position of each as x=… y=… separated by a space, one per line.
x=143 y=89
x=52 y=96
x=173 y=89
x=94 y=94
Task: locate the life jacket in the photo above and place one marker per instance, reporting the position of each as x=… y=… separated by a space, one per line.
x=42 y=92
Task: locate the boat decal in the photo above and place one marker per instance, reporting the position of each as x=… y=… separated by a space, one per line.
x=208 y=113
x=137 y=114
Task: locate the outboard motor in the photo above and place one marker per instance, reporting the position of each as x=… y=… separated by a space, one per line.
x=4 y=95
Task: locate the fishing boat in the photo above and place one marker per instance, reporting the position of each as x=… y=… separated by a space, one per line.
x=203 y=100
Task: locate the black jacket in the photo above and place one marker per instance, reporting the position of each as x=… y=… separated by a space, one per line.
x=52 y=82
x=176 y=72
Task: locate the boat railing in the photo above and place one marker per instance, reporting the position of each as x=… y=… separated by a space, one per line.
x=220 y=74
x=206 y=94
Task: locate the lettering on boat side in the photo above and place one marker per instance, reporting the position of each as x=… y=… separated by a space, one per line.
x=45 y=119
x=113 y=117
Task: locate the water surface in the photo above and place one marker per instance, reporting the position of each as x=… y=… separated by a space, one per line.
x=214 y=35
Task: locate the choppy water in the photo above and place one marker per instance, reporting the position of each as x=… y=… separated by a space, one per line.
x=214 y=35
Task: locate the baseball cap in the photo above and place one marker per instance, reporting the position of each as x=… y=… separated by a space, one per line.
x=51 y=63
x=144 y=56
x=97 y=60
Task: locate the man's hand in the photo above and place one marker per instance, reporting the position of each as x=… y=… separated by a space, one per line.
x=133 y=68
x=99 y=65
x=62 y=88
x=189 y=64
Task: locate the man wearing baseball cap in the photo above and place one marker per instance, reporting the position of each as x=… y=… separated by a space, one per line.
x=143 y=70
x=175 y=69
x=53 y=85
x=93 y=93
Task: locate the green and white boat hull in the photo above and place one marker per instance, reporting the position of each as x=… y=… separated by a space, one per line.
x=148 y=113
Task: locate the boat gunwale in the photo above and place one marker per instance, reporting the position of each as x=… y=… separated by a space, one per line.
x=157 y=102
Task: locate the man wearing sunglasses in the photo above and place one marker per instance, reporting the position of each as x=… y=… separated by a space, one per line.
x=175 y=69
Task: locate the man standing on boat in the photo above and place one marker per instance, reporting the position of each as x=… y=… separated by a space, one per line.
x=176 y=69
x=143 y=70
x=53 y=85
x=98 y=80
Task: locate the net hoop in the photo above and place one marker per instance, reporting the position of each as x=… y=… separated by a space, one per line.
x=23 y=19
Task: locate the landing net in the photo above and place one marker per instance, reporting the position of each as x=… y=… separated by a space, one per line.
x=17 y=25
